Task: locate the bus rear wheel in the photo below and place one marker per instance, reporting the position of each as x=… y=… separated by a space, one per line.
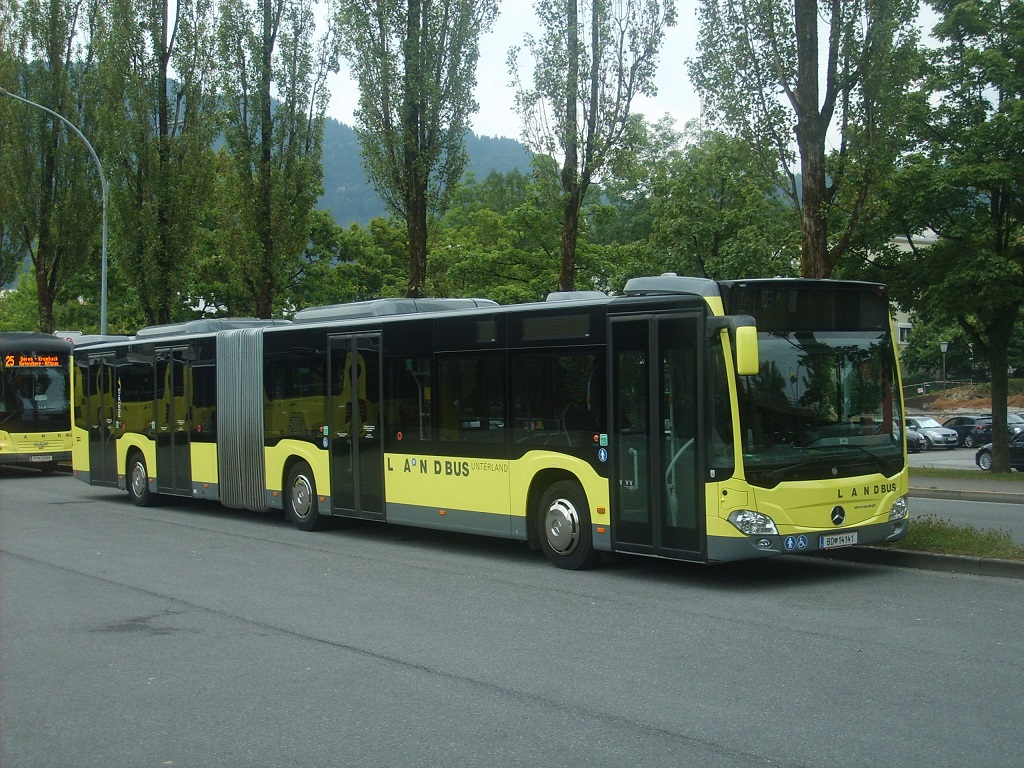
x=137 y=481
x=563 y=526
x=301 y=500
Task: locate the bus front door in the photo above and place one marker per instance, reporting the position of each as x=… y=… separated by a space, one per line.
x=101 y=418
x=173 y=422
x=657 y=495
x=357 y=458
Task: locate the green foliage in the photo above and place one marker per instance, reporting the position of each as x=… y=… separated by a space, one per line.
x=272 y=177
x=499 y=239
x=51 y=190
x=764 y=75
x=157 y=144
x=963 y=184
x=415 y=62
x=589 y=65
x=719 y=214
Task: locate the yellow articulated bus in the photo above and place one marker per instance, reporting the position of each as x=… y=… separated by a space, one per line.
x=35 y=400
x=687 y=418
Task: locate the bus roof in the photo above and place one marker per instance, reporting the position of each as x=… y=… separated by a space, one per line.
x=385 y=307
x=28 y=340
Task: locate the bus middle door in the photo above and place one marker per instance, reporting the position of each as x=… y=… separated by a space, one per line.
x=173 y=422
x=357 y=456
x=657 y=495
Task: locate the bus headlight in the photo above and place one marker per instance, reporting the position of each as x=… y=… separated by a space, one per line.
x=900 y=509
x=753 y=523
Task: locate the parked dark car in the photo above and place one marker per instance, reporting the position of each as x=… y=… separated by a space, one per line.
x=973 y=430
x=1014 y=422
x=983 y=458
x=915 y=441
x=934 y=434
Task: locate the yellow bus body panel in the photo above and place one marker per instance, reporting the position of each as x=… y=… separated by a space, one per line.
x=803 y=507
x=127 y=442
x=204 y=463
x=277 y=459
x=448 y=482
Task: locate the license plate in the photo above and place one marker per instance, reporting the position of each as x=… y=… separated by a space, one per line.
x=834 y=540
x=40 y=458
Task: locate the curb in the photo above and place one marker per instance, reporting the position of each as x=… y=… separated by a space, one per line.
x=999 y=497
x=930 y=561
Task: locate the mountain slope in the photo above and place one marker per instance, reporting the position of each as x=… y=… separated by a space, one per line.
x=349 y=196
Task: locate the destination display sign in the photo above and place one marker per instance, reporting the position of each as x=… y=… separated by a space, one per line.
x=19 y=360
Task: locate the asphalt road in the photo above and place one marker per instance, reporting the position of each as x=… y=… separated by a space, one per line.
x=983 y=516
x=190 y=635
x=954 y=458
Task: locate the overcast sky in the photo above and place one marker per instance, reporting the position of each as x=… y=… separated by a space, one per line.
x=496 y=116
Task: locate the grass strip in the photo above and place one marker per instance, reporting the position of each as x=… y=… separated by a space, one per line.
x=933 y=534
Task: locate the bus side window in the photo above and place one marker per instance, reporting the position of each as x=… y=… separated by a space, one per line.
x=407 y=400
x=472 y=398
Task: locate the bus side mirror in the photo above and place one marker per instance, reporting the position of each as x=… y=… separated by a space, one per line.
x=743 y=332
x=747 y=362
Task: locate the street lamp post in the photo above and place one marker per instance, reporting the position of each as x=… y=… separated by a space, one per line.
x=105 y=194
x=943 y=345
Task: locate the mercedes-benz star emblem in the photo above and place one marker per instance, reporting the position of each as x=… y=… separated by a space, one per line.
x=838 y=515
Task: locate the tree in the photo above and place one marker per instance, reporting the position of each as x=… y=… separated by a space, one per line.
x=500 y=238
x=415 y=62
x=159 y=68
x=764 y=74
x=719 y=214
x=10 y=257
x=590 y=62
x=964 y=183
x=52 y=193
x=274 y=175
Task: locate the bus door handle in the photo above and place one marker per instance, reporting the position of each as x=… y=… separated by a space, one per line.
x=634 y=485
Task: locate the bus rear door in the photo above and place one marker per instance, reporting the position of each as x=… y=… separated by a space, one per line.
x=657 y=495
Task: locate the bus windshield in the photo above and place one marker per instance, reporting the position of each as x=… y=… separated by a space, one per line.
x=34 y=399
x=822 y=406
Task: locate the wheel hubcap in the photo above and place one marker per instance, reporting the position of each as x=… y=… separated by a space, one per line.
x=139 y=480
x=302 y=497
x=562 y=527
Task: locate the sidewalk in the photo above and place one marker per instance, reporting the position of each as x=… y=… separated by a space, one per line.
x=984 y=488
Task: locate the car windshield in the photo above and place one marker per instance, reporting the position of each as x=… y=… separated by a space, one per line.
x=1013 y=418
x=821 y=406
x=927 y=423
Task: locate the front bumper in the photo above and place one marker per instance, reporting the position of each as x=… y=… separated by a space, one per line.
x=729 y=548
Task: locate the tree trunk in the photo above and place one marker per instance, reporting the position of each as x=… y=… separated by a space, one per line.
x=570 y=233
x=570 y=168
x=810 y=136
x=165 y=259
x=416 y=227
x=1000 y=339
x=265 y=219
x=45 y=257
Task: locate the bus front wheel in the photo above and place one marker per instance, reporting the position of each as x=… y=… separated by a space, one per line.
x=301 y=503
x=564 y=527
x=138 y=482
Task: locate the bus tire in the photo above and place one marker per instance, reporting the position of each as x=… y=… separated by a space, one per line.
x=137 y=481
x=563 y=527
x=301 y=503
